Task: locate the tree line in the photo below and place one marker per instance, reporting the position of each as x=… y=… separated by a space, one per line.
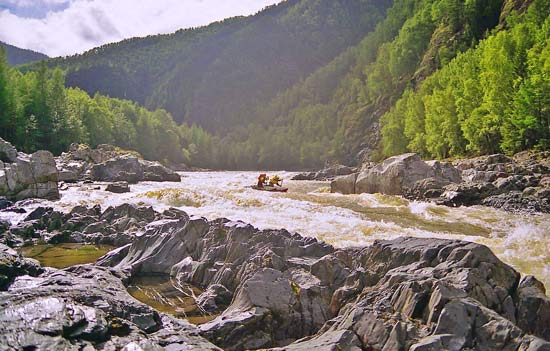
x=492 y=98
x=38 y=112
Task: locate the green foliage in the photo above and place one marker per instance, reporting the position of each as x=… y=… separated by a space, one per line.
x=306 y=82
x=38 y=112
x=493 y=98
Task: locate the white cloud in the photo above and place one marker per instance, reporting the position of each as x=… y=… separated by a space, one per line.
x=85 y=24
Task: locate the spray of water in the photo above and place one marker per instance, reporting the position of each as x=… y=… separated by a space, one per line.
x=522 y=241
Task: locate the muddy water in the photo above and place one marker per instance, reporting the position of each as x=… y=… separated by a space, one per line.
x=166 y=295
x=65 y=255
x=342 y=220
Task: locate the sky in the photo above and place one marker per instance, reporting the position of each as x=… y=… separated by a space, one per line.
x=66 y=27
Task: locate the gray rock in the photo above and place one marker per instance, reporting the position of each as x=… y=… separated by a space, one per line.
x=294 y=293
x=533 y=307
x=86 y=308
x=344 y=184
x=29 y=176
x=466 y=194
x=274 y=290
x=8 y=153
x=118 y=187
x=5 y=203
x=328 y=173
x=396 y=175
x=131 y=169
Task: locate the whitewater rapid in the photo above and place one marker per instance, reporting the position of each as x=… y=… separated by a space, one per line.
x=522 y=241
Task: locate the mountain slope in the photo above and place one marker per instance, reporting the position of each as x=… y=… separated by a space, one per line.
x=309 y=81
x=218 y=75
x=17 y=56
x=334 y=114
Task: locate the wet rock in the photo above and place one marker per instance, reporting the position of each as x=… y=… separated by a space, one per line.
x=428 y=188
x=115 y=226
x=328 y=173
x=533 y=307
x=295 y=293
x=131 y=169
x=25 y=176
x=13 y=265
x=5 y=203
x=344 y=184
x=86 y=308
x=118 y=187
x=519 y=202
x=466 y=194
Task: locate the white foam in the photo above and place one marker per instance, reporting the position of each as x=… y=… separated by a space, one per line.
x=342 y=220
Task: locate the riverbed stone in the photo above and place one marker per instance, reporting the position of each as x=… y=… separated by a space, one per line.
x=344 y=184
x=295 y=293
x=274 y=290
x=25 y=176
x=118 y=187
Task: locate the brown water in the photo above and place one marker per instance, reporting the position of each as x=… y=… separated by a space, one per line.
x=165 y=295
x=65 y=255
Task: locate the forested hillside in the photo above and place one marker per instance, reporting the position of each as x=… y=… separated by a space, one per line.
x=219 y=75
x=38 y=112
x=311 y=81
x=493 y=98
x=18 y=56
x=334 y=114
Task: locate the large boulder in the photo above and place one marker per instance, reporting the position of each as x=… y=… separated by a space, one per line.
x=295 y=293
x=25 y=176
x=344 y=184
x=81 y=308
x=396 y=174
x=132 y=169
x=111 y=164
x=328 y=173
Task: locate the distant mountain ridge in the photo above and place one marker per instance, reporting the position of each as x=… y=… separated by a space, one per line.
x=18 y=56
x=218 y=75
x=310 y=81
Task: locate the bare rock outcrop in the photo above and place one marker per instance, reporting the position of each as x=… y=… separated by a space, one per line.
x=397 y=175
x=295 y=293
x=110 y=164
x=25 y=176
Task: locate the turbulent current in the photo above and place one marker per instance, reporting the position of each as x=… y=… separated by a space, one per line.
x=522 y=241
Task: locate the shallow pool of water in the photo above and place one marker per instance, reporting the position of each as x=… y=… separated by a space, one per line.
x=165 y=295
x=65 y=255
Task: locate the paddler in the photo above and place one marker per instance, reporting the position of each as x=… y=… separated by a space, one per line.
x=262 y=180
x=275 y=180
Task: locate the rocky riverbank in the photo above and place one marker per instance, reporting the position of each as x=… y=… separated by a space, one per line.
x=520 y=183
x=25 y=176
x=39 y=175
x=273 y=289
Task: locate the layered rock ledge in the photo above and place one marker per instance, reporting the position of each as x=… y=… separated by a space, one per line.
x=519 y=184
x=25 y=176
x=273 y=290
x=110 y=164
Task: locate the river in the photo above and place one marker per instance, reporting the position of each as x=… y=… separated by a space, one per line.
x=309 y=208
